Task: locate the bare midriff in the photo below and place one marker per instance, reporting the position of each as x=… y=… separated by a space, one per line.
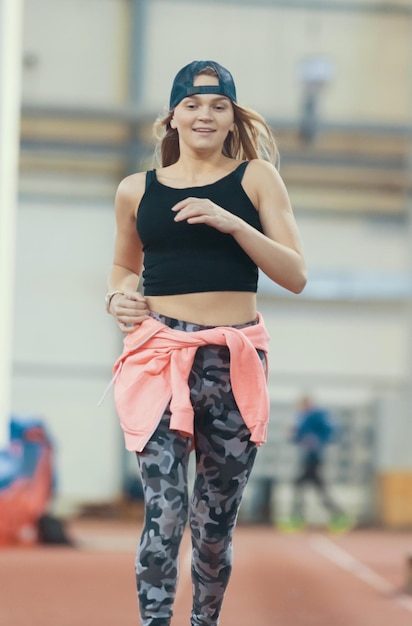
x=214 y=308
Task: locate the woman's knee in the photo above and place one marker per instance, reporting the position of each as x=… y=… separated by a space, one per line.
x=166 y=515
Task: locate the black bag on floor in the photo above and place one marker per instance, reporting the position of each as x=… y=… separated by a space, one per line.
x=52 y=531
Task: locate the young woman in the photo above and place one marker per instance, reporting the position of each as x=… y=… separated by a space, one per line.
x=193 y=371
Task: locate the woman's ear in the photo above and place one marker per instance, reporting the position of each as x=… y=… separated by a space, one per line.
x=173 y=123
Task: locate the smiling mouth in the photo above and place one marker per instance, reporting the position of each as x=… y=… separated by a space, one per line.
x=203 y=130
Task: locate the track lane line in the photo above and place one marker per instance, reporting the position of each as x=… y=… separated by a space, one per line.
x=335 y=554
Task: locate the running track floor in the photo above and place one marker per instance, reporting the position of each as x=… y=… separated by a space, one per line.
x=307 y=579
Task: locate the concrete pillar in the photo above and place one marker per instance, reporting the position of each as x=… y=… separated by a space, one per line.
x=11 y=14
x=139 y=12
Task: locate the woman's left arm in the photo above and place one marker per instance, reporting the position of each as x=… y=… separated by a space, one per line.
x=278 y=251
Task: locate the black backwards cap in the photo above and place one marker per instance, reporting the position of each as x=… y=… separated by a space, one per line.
x=183 y=83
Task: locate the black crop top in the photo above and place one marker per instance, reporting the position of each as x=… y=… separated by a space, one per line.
x=188 y=258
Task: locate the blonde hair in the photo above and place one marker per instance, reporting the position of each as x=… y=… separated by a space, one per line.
x=250 y=139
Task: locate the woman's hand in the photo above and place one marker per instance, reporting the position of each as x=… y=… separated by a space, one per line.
x=129 y=310
x=204 y=211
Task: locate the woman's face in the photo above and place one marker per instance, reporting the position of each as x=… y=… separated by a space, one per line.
x=203 y=120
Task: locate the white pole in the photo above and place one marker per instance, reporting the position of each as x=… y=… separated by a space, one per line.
x=11 y=17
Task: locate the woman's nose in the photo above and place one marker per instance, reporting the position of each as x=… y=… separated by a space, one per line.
x=205 y=113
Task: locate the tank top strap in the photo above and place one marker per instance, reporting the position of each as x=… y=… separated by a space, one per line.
x=150 y=177
x=240 y=170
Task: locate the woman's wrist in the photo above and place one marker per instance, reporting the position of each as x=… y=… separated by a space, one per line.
x=109 y=297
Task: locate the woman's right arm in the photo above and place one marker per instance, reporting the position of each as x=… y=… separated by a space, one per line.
x=128 y=307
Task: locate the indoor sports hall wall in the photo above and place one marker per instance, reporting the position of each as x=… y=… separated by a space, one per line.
x=347 y=337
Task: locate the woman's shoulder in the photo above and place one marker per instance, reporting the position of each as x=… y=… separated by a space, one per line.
x=260 y=167
x=130 y=192
x=262 y=181
x=260 y=174
x=132 y=185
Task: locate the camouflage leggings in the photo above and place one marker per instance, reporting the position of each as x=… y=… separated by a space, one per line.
x=224 y=460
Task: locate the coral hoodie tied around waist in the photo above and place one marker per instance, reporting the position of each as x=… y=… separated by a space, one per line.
x=154 y=370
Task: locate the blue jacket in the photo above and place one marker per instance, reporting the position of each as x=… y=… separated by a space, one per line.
x=313 y=431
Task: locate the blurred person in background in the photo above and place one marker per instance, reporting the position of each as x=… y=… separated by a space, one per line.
x=314 y=430
x=193 y=371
